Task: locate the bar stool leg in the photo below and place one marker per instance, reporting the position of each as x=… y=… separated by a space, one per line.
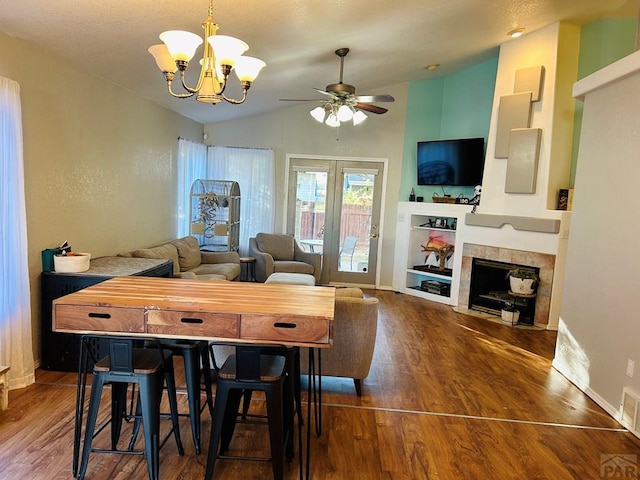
x=222 y=394
x=274 y=399
x=118 y=408
x=150 y=396
x=170 y=381
x=192 y=378
x=92 y=415
x=206 y=373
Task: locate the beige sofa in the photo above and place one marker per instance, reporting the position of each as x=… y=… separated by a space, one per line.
x=354 y=337
x=190 y=262
x=281 y=253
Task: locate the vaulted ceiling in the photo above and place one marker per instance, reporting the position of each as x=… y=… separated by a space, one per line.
x=391 y=41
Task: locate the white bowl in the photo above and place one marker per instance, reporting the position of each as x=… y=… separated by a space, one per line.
x=72 y=262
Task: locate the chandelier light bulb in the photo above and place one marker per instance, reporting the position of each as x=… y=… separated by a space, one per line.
x=181 y=45
x=248 y=68
x=227 y=49
x=163 y=58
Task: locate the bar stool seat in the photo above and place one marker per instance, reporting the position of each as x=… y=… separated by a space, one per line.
x=248 y=369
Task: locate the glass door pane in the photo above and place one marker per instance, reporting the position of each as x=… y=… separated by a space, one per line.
x=356 y=214
x=355 y=222
x=310 y=209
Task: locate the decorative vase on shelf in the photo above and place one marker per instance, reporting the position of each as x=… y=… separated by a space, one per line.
x=523 y=282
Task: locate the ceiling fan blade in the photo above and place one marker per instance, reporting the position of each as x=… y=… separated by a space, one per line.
x=370 y=108
x=375 y=98
x=324 y=92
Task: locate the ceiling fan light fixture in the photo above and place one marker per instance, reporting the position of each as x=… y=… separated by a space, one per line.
x=359 y=117
x=332 y=120
x=318 y=114
x=221 y=54
x=345 y=113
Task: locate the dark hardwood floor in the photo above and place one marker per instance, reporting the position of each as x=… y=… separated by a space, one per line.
x=449 y=397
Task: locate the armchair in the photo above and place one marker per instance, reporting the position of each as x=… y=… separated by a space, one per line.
x=354 y=337
x=281 y=253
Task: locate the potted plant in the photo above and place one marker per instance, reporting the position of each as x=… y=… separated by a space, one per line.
x=523 y=281
x=510 y=314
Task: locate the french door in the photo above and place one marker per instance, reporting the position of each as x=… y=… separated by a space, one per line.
x=334 y=208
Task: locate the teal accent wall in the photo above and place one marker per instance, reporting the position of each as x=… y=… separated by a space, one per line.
x=457 y=106
x=602 y=42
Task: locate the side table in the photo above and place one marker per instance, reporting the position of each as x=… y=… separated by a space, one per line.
x=250 y=267
x=4 y=388
x=524 y=297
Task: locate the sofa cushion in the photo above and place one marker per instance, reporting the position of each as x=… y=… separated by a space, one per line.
x=212 y=277
x=228 y=271
x=279 y=246
x=167 y=251
x=349 y=292
x=186 y=275
x=188 y=253
x=288 y=278
x=293 y=267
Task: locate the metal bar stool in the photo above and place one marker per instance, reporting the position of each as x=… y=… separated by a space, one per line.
x=248 y=370
x=149 y=369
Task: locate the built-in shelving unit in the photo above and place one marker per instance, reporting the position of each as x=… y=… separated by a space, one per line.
x=429 y=250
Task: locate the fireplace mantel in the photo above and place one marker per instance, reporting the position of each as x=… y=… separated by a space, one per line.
x=529 y=224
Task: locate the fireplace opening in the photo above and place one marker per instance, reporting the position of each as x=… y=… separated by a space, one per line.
x=489 y=289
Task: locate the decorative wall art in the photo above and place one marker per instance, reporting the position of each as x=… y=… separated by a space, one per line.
x=522 y=166
x=515 y=139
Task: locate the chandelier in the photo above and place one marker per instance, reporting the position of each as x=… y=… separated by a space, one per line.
x=221 y=55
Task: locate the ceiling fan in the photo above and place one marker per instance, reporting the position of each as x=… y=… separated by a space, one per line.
x=342 y=104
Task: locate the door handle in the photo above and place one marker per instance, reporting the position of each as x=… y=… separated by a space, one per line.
x=373 y=235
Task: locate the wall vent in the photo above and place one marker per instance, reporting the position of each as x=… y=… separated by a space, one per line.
x=630 y=411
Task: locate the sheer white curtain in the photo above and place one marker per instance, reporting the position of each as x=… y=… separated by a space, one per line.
x=253 y=169
x=192 y=165
x=16 y=349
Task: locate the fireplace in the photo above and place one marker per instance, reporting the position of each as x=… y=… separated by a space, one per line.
x=489 y=289
x=544 y=262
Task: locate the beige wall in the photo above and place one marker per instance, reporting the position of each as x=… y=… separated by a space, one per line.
x=599 y=327
x=293 y=131
x=99 y=161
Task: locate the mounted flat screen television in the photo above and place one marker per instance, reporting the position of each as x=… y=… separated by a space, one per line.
x=457 y=162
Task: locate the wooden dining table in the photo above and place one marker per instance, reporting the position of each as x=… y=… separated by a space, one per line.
x=216 y=311
x=291 y=315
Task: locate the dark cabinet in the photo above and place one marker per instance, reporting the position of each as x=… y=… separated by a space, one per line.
x=60 y=350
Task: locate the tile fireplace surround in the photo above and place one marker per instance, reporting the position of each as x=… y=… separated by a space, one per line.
x=545 y=262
